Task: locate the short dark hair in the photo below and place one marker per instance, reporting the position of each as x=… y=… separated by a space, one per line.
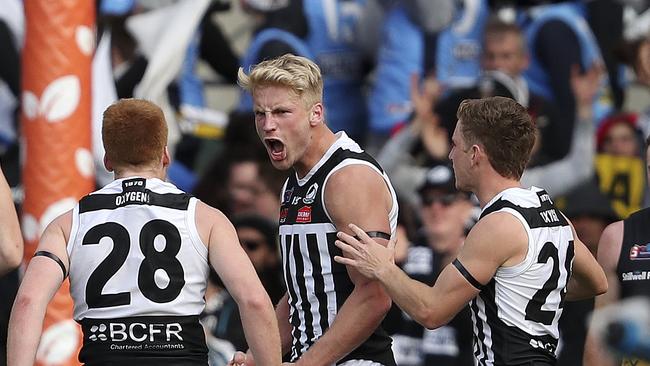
x=134 y=132
x=505 y=130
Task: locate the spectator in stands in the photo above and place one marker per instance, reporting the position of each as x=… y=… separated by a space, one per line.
x=578 y=166
x=241 y=182
x=420 y=37
x=619 y=165
x=505 y=57
x=229 y=182
x=563 y=26
x=427 y=138
x=618 y=135
x=636 y=54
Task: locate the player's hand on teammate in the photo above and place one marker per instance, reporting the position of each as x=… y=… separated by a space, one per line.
x=241 y=359
x=364 y=254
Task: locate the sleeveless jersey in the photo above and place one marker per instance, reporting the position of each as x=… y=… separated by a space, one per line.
x=138 y=273
x=317 y=285
x=634 y=261
x=516 y=314
x=633 y=269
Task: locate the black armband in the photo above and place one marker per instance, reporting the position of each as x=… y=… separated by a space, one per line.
x=468 y=276
x=375 y=234
x=43 y=253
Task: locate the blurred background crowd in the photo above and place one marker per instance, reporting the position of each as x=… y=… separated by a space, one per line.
x=395 y=72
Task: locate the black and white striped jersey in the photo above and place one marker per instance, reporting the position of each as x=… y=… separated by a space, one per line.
x=317 y=286
x=516 y=314
x=138 y=273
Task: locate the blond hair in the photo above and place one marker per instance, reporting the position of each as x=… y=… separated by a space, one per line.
x=297 y=73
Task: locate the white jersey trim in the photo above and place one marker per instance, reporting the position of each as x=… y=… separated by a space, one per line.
x=529 y=259
x=190 y=219
x=73 y=233
x=392 y=214
x=342 y=141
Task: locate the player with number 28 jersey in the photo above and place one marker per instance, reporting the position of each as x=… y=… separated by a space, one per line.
x=138 y=270
x=138 y=252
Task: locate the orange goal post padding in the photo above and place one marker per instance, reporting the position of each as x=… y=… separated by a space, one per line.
x=56 y=141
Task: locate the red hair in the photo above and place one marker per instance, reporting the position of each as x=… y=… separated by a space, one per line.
x=607 y=123
x=134 y=133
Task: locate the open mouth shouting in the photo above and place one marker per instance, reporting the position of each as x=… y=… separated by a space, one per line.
x=276 y=148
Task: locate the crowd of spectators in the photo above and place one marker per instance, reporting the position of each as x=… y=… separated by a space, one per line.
x=395 y=72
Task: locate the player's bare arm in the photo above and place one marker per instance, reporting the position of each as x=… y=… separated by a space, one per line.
x=358 y=194
x=587 y=277
x=609 y=249
x=498 y=239
x=282 y=315
x=238 y=274
x=11 y=240
x=41 y=281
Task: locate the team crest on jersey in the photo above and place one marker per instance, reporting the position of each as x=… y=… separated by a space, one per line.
x=287 y=195
x=639 y=252
x=283 y=215
x=311 y=194
x=304 y=215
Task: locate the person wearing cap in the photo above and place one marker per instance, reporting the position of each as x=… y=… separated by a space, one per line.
x=444 y=212
x=519 y=262
x=622 y=252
